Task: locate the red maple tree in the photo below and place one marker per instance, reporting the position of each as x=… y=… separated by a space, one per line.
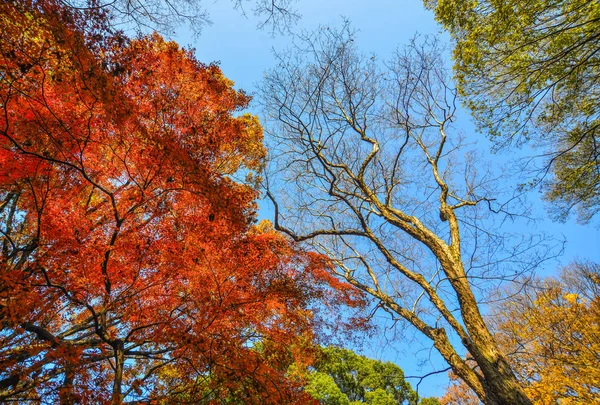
x=131 y=268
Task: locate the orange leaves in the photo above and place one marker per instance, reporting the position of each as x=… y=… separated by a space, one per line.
x=129 y=268
x=459 y=393
x=191 y=104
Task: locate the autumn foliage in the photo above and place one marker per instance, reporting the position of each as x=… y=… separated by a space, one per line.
x=131 y=265
x=551 y=333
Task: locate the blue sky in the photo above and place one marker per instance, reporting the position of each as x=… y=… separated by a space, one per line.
x=244 y=53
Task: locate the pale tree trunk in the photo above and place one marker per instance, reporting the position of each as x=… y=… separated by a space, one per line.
x=347 y=132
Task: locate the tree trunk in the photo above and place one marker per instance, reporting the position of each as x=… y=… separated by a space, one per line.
x=499 y=382
x=66 y=391
x=117 y=396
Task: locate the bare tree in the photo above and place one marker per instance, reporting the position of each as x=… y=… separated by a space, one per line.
x=165 y=15
x=367 y=168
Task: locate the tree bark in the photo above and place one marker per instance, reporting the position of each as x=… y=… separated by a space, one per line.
x=347 y=134
x=117 y=396
x=66 y=391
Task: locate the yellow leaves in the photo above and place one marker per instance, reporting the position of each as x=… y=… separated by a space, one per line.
x=264 y=226
x=246 y=152
x=571 y=298
x=529 y=70
x=254 y=148
x=555 y=339
x=169 y=371
x=551 y=334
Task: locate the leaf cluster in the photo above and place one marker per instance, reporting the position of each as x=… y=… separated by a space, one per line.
x=550 y=331
x=529 y=71
x=342 y=377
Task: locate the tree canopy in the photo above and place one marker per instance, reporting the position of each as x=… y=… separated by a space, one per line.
x=342 y=377
x=132 y=267
x=529 y=71
x=368 y=168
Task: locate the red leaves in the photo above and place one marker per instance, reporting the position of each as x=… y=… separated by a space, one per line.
x=123 y=236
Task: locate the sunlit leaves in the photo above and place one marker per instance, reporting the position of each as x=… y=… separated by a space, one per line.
x=130 y=267
x=529 y=72
x=551 y=333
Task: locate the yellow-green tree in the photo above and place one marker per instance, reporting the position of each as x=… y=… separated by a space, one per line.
x=530 y=71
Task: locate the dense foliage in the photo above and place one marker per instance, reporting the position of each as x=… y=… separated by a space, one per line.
x=342 y=377
x=530 y=71
x=132 y=268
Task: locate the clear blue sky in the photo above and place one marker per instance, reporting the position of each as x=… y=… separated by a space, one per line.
x=245 y=53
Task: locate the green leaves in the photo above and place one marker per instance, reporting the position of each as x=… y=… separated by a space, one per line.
x=323 y=388
x=342 y=377
x=530 y=71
